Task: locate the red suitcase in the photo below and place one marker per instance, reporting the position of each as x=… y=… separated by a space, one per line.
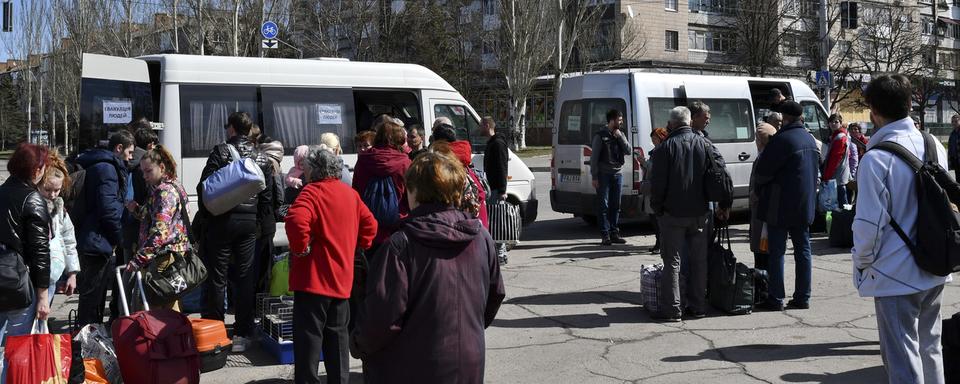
x=154 y=347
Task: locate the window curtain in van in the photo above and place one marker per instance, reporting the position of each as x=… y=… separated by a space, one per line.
x=294 y=123
x=207 y=119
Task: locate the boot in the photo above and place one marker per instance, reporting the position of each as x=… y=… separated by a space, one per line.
x=616 y=239
x=605 y=239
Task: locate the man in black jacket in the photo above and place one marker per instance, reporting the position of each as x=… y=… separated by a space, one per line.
x=495 y=159
x=678 y=199
x=99 y=233
x=231 y=237
x=609 y=146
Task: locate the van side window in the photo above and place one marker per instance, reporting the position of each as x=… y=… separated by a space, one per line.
x=298 y=116
x=466 y=124
x=204 y=110
x=731 y=120
x=579 y=119
x=815 y=120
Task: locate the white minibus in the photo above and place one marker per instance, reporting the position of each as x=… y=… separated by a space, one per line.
x=294 y=101
x=645 y=99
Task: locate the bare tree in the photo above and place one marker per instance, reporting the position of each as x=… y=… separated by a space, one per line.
x=760 y=27
x=523 y=43
x=577 y=18
x=26 y=44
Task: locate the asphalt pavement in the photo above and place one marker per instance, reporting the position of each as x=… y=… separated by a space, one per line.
x=573 y=314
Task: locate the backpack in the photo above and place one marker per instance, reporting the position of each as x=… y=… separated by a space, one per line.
x=482 y=176
x=381 y=198
x=937 y=249
x=717 y=184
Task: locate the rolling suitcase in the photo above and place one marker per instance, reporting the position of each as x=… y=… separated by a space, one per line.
x=154 y=346
x=212 y=343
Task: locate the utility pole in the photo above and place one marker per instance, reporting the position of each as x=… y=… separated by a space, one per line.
x=825 y=53
x=202 y=38
x=176 y=31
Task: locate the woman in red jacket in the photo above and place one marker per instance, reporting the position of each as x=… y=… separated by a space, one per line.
x=325 y=226
x=385 y=160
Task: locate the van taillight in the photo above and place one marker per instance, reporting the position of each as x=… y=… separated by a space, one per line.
x=587 y=151
x=637 y=172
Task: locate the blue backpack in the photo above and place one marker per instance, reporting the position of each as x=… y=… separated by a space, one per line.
x=381 y=198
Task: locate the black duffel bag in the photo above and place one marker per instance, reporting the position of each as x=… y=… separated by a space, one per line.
x=730 y=284
x=16 y=289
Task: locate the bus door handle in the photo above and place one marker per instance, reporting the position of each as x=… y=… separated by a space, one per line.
x=743 y=156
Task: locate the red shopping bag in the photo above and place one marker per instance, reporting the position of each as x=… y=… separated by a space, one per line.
x=40 y=358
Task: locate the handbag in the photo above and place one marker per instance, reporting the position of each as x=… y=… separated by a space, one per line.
x=16 y=289
x=827 y=198
x=505 y=222
x=233 y=184
x=165 y=282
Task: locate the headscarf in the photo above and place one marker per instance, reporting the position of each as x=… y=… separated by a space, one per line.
x=660 y=133
x=293 y=177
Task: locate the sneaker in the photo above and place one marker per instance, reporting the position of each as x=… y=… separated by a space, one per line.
x=664 y=318
x=616 y=239
x=793 y=304
x=502 y=259
x=769 y=307
x=240 y=344
x=690 y=312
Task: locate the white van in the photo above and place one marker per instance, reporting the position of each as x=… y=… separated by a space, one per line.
x=294 y=101
x=736 y=105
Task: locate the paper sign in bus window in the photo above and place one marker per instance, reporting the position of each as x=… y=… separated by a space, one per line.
x=573 y=123
x=329 y=114
x=457 y=110
x=743 y=133
x=117 y=111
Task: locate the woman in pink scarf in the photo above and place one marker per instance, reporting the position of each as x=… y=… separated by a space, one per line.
x=293 y=179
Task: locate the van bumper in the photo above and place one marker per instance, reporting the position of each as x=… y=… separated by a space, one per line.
x=528 y=211
x=582 y=204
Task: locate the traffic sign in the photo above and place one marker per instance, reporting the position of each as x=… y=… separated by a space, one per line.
x=269 y=44
x=269 y=30
x=824 y=79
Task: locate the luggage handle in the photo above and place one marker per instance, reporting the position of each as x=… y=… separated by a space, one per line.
x=123 y=294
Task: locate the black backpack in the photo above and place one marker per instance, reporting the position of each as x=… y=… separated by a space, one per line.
x=717 y=184
x=937 y=249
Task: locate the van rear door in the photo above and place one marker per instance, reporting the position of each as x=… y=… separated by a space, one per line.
x=732 y=124
x=113 y=92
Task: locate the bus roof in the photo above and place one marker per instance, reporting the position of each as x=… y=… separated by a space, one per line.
x=294 y=72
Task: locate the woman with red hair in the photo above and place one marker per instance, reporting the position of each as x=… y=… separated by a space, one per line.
x=24 y=243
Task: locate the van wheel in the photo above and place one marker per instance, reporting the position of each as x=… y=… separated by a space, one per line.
x=590 y=219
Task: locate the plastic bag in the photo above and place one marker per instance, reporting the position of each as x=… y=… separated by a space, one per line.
x=827 y=199
x=764 y=239
x=94 y=372
x=95 y=343
x=280 y=276
x=38 y=358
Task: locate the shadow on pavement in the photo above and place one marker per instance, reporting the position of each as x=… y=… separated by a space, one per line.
x=577 y=298
x=614 y=315
x=595 y=251
x=355 y=378
x=773 y=352
x=864 y=375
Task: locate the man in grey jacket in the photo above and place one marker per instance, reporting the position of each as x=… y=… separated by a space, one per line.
x=907 y=298
x=681 y=206
x=609 y=146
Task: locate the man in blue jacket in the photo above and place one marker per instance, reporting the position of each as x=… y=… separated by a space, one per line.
x=907 y=298
x=100 y=205
x=786 y=178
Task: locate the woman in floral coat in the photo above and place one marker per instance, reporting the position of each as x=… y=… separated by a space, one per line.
x=163 y=229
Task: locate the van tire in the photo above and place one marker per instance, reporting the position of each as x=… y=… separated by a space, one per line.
x=590 y=220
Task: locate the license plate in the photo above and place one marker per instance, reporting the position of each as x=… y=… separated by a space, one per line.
x=570 y=179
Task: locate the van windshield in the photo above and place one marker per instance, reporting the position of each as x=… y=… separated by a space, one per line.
x=731 y=120
x=579 y=119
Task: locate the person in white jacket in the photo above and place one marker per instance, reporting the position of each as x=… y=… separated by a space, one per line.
x=907 y=298
x=64 y=260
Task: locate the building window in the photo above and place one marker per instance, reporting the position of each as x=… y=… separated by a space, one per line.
x=712 y=6
x=670 y=5
x=792 y=44
x=926 y=25
x=710 y=41
x=671 y=40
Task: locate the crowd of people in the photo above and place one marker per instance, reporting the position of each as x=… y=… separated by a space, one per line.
x=378 y=257
x=789 y=173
